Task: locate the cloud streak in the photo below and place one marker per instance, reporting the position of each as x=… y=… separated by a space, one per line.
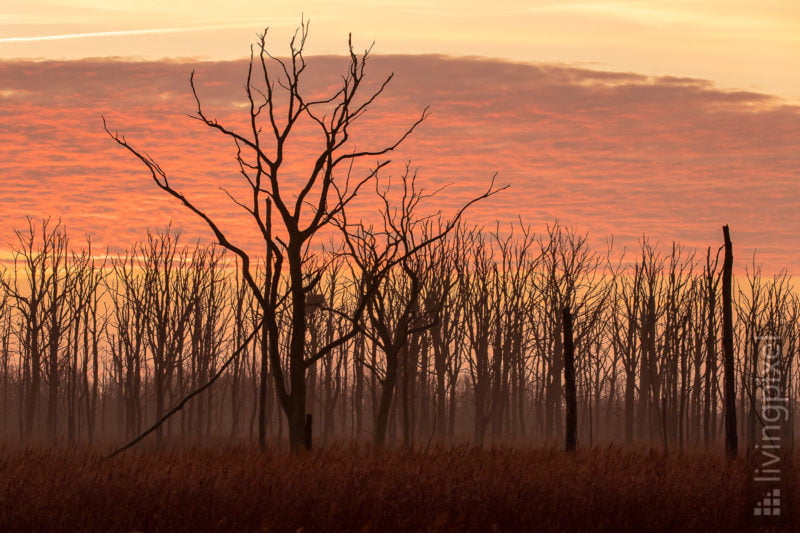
x=122 y=33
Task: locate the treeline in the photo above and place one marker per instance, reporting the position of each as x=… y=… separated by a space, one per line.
x=462 y=341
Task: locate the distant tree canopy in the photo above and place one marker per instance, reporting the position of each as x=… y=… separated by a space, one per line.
x=468 y=335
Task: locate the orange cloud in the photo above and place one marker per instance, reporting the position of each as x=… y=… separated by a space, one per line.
x=612 y=153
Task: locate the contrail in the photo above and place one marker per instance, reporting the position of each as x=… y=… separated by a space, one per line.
x=121 y=32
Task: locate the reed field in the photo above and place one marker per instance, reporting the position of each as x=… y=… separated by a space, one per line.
x=350 y=488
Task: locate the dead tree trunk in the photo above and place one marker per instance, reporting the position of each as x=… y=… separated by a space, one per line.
x=727 y=346
x=263 y=381
x=571 y=437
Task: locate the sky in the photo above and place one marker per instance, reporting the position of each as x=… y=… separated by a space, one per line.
x=750 y=45
x=620 y=118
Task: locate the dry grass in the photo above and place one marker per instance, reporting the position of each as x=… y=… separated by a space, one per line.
x=352 y=489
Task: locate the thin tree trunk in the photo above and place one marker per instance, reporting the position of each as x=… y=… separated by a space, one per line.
x=571 y=437
x=731 y=443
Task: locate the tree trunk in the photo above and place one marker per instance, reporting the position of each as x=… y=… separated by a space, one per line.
x=571 y=436
x=385 y=403
x=731 y=443
x=630 y=389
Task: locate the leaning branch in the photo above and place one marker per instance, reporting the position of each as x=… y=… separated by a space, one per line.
x=160 y=179
x=191 y=395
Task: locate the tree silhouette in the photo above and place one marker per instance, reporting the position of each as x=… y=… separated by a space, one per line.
x=274 y=90
x=731 y=436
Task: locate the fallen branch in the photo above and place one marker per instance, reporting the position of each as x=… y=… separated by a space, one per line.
x=191 y=395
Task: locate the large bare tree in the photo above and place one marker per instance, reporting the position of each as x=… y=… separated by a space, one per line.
x=281 y=106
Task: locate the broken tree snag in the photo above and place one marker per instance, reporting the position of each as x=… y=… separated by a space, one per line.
x=571 y=437
x=731 y=440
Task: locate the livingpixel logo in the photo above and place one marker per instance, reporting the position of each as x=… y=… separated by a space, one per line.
x=770 y=505
x=773 y=414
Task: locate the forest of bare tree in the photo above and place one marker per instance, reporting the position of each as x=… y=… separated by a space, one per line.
x=408 y=328
x=464 y=342
x=425 y=372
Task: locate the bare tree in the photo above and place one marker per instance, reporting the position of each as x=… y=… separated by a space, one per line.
x=37 y=290
x=394 y=267
x=479 y=303
x=731 y=436
x=302 y=213
x=571 y=437
x=6 y=332
x=711 y=280
x=86 y=337
x=261 y=155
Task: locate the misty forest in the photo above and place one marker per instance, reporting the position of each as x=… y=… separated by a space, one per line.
x=465 y=341
x=397 y=328
x=403 y=329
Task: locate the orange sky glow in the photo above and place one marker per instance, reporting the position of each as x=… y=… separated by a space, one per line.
x=615 y=146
